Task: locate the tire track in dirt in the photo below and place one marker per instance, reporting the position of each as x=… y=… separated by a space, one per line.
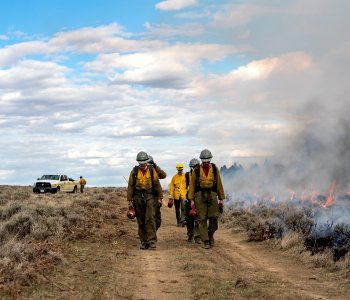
x=297 y=280
x=160 y=273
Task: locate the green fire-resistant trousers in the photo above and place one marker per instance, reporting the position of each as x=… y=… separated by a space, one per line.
x=145 y=208
x=192 y=223
x=158 y=217
x=180 y=210
x=207 y=209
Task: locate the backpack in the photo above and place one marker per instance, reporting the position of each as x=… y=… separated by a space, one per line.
x=197 y=169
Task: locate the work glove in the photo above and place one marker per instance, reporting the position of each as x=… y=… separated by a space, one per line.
x=221 y=206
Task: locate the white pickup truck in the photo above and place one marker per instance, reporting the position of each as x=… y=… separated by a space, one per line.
x=55 y=183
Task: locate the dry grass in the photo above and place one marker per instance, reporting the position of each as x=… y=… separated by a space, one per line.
x=294 y=241
x=294 y=230
x=35 y=229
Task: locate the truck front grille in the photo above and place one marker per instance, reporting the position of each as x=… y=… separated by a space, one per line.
x=43 y=185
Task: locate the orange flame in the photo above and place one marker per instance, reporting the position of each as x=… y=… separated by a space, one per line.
x=331 y=191
x=348 y=190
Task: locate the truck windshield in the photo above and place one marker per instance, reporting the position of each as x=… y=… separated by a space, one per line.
x=50 y=177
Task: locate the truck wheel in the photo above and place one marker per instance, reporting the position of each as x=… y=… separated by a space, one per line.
x=75 y=189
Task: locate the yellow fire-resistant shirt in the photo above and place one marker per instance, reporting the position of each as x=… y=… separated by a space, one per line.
x=82 y=181
x=206 y=182
x=177 y=186
x=144 y=182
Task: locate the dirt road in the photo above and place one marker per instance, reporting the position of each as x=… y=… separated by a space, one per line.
x=111 y=266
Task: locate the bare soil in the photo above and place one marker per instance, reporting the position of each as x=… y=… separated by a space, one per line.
x=110 y=265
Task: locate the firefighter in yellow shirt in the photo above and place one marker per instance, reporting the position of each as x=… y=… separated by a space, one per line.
x=82 y=183
x=177 y=192
x=207 y=192
x=144 y=193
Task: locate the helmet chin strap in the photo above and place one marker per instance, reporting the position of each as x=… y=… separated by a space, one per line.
x=143 y=167
x=206 y=165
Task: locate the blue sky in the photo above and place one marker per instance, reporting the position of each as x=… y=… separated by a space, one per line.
x=85 y=85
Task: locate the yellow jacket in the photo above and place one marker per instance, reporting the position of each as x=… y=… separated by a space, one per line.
x=82 y=181
x=144 y=182
x=177 y=186
x=206 y=182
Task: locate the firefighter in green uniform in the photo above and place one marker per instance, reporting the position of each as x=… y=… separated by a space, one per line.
x=207 y=192
x=144 y=193
x=191 y=221
x=161 y=175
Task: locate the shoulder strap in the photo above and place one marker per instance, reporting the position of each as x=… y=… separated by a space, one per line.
x=187 y=176
x=196 y=170
x=215 y=181
x=214 y=171
x=136 y=170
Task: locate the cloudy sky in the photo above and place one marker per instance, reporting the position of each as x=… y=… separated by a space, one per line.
x=86 y=85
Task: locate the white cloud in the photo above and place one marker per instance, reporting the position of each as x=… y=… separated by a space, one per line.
x=11 y=54
x=171 y=31
x=92 y=162
x=234 y=15
x=84 y=40
x=175 y=4
x=4 y=174
x=32 y=74
x=169 y=67
x=288 y=63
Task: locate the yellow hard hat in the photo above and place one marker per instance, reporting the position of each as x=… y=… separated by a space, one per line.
x=179 y=166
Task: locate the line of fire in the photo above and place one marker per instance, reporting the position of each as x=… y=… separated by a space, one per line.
x=270 y=209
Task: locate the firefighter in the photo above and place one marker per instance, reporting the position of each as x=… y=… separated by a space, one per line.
x=177 y=192
x=207 y=194
x=161 y=175
x=191 y=221
x=82 y=183
x=144 y=194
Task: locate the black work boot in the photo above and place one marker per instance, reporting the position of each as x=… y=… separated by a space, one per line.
x=152 y=245
x=144 y=246
x=197 y=240
x=211 y=240
x=190 y=239
x=206 y=245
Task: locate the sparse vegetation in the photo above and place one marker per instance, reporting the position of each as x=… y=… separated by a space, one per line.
x=295 y=229
x=35 y=229
x=43 y=235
